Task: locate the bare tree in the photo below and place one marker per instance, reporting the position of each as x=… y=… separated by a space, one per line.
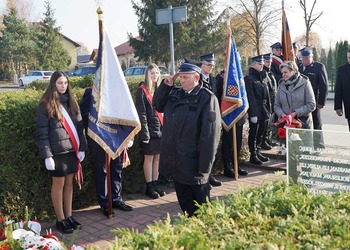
x=309 y=18
x=256 y=16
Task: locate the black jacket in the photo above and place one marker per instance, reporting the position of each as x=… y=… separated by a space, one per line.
x=317 y=74
x=150 y=124
x=258 y=95
x=51 y=137
x=191 y=133
x=342 y=90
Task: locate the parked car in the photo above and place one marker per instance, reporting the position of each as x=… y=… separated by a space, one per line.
x=33 y=76
x=83 y=71
x=141 y=70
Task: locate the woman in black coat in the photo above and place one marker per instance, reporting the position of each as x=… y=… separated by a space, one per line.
x=61 y=142
x=151 y=130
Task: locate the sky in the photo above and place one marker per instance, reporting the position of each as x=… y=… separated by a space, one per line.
x=78 y=19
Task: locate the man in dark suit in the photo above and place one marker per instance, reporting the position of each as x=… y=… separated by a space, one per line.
x=207 y=63
x=277 y=59
x=342 y=90
x=317 y=74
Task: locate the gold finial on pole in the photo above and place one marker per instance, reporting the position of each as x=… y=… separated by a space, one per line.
x=99 y=10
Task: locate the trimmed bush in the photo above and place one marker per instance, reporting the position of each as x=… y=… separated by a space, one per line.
x=273 y=216
x=24 y=179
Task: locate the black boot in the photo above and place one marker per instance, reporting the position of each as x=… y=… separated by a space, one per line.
x=228 y=171
x=254 y=159
x=150 y=192
x=157 y=189
x=262 y=158
x=242 y=171
x=214 y=182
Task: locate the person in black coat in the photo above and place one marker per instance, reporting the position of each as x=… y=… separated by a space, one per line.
x=99 y=163
x=270 y=80
x=207 y=64
x=151 y=130
x=277 y=60
x=61 y=143
x=190 y=135
x=259 y=109
x=342 y=90
x=317 y=74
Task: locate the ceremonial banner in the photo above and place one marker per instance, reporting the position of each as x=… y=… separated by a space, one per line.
x=234 y=103
x=113 y=119
x=287 y=45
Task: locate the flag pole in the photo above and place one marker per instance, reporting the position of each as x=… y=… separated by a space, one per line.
x=109 y=185
x=108 y=158
x=235 y=158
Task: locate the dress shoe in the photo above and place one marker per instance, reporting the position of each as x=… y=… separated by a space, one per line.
x=105 y=211
x=242 y=172
x=254 y=159
x=214 y=182
x=262 y=158
x=122 y=206
x=73 y=223
x=150 y=192
x=64 y=227
x=265 y=145
x=157 y=189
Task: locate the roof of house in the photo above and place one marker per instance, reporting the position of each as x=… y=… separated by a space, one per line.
x=83 y=58
x=124 y=49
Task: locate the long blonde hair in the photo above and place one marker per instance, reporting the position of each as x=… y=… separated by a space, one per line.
x=52 y=99
x=151 y=86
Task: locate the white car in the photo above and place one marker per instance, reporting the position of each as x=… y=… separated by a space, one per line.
x=33 y=76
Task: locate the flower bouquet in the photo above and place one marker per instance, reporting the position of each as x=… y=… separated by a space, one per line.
x=281 y=125
x=26 y=235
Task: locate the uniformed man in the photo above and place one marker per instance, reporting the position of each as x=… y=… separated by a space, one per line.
x=270 y=80
x=207 y=63
x=317 y=74
x=277 y=59
x=259 y=108
x=190 y=135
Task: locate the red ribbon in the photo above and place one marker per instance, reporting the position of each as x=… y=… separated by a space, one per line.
x=150 y=97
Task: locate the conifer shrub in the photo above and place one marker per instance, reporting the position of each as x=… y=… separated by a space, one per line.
x=273 y=216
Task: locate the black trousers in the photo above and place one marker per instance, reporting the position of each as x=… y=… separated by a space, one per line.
x=256 y=130
x=227 y=143
x=100 y=174
x=187 y=195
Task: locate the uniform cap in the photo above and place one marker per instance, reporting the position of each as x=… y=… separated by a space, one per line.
x=277 y=45
x=187 y=60
x=208 y=58
x=258 y=59
x=188 y=68
x=306 y=51
x=267 y=57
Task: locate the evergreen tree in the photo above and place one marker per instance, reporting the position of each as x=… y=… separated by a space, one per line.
x=199 y=35
x=330 y=67
x=341 y=51
x=16 y=44
x=51 y=54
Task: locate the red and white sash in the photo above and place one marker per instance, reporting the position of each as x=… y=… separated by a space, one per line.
x=73 y=134
x=150 y=98
x=277 y=60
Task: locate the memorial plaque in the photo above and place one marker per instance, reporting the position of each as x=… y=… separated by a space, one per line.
x=320 y=160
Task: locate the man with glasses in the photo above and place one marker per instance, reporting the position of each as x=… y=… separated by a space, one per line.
x=207 y=65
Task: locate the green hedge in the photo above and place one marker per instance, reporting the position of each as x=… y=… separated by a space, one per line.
x=272 y=216
x=24 y=180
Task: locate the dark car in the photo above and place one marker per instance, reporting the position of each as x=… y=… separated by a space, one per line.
x=141 y=71
x=83 y=71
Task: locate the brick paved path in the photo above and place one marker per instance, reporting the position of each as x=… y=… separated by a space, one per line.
x=96 y=230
